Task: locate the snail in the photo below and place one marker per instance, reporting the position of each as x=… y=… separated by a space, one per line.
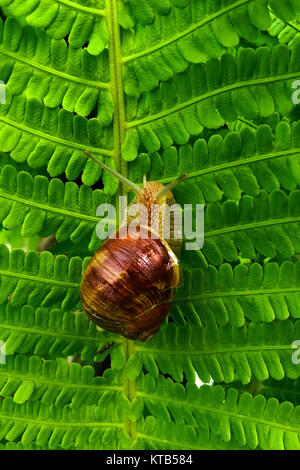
x=128 y=285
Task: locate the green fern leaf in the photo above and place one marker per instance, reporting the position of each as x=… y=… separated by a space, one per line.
x=34 y=205
x=39 y=279
x=224 y=354
x=244 y=293
x=49 y=333
x=156 y=88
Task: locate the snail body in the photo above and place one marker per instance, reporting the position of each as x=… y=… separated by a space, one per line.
x=128 y=285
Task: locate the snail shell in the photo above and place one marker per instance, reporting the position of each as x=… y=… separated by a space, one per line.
x=128 y=285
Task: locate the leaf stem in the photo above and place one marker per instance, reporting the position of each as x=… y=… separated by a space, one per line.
x=212 y=94
x=204 y=22
x=52 y=71
x=129 y=387
x=115 y=61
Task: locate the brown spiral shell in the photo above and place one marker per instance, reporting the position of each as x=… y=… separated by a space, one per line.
x=128 y=285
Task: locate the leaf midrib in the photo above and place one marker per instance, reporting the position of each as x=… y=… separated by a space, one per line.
x=180 y=444
x=47 y=208
x=214 y=352
x=210 y=409
x=119 y=129
x=28 y=277
x=236 y=293
x=253 y=225
x=237 y=163
x=48 y=332
x=78 y=6
x=53 y=382
x=60 y=423
x=212 y=94
x=288 y=23
x=58 y=140
x=187 y=31
x=280 y=390
x=49 y=70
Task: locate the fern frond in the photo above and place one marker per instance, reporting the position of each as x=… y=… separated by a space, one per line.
x=53 y=137
x=82 y=23
x=266 y=224
x=187 y=33
x=54 y=73
x=239 y=162
x=49 y=427
x=47 y=69
x=40 y=207
x=48 y=333
x=252 y=84
x=54 y=382
x=89 y=427
x=212 y=418
x=253 y=422
x=156 y=434
x=225 y=354
x=40 y=280
x=231 y=295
